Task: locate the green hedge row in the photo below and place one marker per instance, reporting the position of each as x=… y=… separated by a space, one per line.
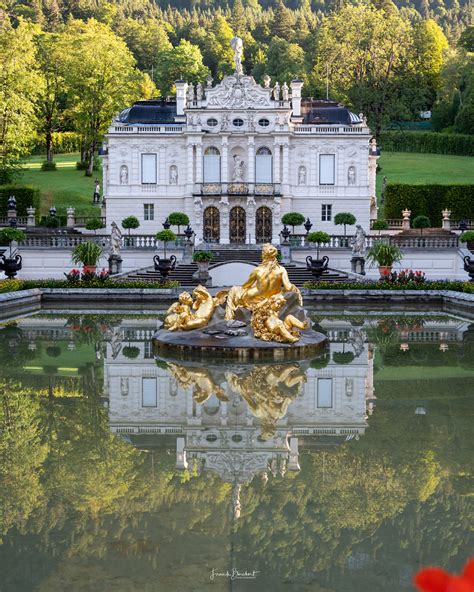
x=430 y=200
x=63 y=143
x=455 y=285
x=431 y=142
x=25 y=197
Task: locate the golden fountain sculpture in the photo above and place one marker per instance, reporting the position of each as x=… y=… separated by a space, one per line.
x=263 y=295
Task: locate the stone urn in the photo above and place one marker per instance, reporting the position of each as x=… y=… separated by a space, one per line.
x=317 y=266
x=10 y=265
x=469 y=267
x=164 y=265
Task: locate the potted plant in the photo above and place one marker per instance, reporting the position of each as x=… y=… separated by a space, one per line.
x=421 y=222
x=379 y=225
x=202 y=260
x=178 y=219
x=317 y=266
x=468 y=238
x=164 y=264
x=293 y=219
x=130 y=223
x=11 y=265
x=345 y=218
x=384 y=255
x=88 y=254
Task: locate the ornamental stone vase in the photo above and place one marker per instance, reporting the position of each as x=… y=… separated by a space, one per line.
x=317 y=266
x=10 y=265
x=164 y=265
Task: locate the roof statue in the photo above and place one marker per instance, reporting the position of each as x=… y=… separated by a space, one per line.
x=238 y=46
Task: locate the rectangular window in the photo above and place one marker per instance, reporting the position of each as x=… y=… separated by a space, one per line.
x=148 y=350
x=148 y=212
x=264 y=166
x=327 y=163
x=324 y=393
x=326 y=212
x=149 y=393
x=149 y=169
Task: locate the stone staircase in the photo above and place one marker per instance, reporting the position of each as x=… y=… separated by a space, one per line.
x=183 y=273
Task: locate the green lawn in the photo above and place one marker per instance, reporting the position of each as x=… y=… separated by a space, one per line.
x=64 y=187
x=407 y=167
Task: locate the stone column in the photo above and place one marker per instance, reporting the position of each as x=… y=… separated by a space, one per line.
x=286 y=163
x=276 y=163
x=199 y=163
x=31 y=217
x=190 y=167
x=225 y=159
x=71 y=219
x=313 y=166
x=372 y=180
x=251 y=160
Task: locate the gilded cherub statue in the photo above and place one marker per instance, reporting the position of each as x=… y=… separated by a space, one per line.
x=200 y=380
x=267 y=325
x=266 y=280
x=188 y=314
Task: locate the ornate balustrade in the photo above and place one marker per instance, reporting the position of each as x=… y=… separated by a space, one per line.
x=426 y=242
x=239 y=189
x=20 y=221
x=397 y=223
x=83 y=220
x=336 y=242
x=326 y=129
x=146 y=129
x=69 y=241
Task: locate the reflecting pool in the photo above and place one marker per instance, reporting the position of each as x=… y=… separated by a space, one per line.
x=124 y=472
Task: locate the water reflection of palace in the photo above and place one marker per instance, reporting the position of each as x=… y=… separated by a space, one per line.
x=240 y=420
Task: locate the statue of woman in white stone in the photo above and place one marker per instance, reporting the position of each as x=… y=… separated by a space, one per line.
x=173 y=174
x=238 y=46
x=123 y=175
x=351 y=175
x=358 y=242
x=276 y=91
x=115 y=239
x=285 y=92
x=238 y=173
x=190 y=93
x=302 y=175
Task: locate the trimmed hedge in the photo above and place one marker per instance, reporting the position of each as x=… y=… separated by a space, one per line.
x=63 y=143
x=25 y=197
x=428 y=142
x=430 y=200
x=15 y=285
x=455 y=285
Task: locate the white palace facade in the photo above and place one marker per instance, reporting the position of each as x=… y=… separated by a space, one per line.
x=237 y=156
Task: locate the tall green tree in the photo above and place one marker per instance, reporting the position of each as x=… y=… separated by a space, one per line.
x=285 y=61
x=20 y=83
x=100 y=83
x=181 y=62
x=283 y=23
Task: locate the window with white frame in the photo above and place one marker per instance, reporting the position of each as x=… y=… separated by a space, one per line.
x=212 y=165
x=149 y=169
x=148 y=211
x=326 y=212
x=327 y=164
x=149 y=392
x=263 y=165
x=324 y=393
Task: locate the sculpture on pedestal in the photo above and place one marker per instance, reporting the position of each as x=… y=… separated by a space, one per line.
x=238 y=172
x=238 y=46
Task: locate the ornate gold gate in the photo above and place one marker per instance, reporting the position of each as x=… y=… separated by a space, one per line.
x=211 y=225
x=237 y=226
x=263 y=225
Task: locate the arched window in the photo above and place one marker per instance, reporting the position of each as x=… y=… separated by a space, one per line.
x=263 y=165
x=212 y=165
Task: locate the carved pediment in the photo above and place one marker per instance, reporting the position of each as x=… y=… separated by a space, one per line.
x=238 y=92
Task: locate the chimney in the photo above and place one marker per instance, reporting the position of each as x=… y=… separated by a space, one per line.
x=296 y=86
x=181 y=89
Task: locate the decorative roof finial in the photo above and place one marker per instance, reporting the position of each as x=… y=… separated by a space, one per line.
x=238 y=46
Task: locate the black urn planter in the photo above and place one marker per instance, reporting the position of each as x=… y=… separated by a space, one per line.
x=164 y=266
x=469 y=267
x=10 y=265
x=317 y=266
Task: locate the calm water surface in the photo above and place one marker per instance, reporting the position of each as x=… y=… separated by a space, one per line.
x=121 y=472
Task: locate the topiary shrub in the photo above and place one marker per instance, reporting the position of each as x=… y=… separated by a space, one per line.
x=200 y=256
x=94 y=224
x=342 y=357
x=130 y=223
x=131 y=352
x=379 y=225
x=318 y=238
x=345 y=218
x=50 y=221
x=178 y=219
x=421 y=222
x=293 y=219
x=53 y=351
x=165 y=236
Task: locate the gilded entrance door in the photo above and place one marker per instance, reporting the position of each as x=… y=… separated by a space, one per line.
x=211 y=225
x=263 y=225
x=237 y=226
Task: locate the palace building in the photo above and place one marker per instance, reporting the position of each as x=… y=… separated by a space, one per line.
x=235 y=157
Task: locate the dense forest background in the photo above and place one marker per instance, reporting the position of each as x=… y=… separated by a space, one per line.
x=70 y=65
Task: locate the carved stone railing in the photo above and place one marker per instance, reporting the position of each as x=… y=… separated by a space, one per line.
x=20 y=221
x=146 y=129
x=393 y=223
x=426 y=242
x=328 y=129
x=343 y=242
x=336 y=242
x=83 y=220
x=69 y=241
x=239 y=189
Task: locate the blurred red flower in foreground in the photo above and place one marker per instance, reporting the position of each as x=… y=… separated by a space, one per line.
x=435 y=579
